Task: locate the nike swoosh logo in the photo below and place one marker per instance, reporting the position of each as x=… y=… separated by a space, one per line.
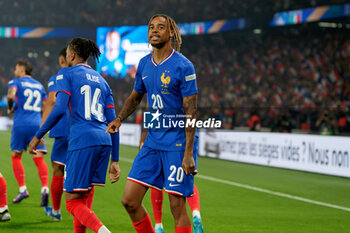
x=144 y=77
x=173 y=185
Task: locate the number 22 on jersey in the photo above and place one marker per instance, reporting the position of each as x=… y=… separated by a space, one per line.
x=30 y=94
x=94 y=108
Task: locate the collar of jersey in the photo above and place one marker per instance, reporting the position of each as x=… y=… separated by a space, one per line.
x=83 y=64
x=164 y=60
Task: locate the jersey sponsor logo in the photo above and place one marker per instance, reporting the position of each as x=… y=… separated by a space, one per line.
x=50 y=84
x=190 y=77
x=31 y=85
x=144 y=77
x=173 y=185
x=59 y=77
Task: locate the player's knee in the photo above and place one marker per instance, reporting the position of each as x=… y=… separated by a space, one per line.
x=129 y=205
x=58 y=170
x=177 y=205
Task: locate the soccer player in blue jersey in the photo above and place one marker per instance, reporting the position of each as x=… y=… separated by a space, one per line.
x=25 y=98
x=91 y=107
x=60 y=146
x=166 y=158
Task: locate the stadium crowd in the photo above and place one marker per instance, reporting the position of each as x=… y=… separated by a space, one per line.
x=121 y=12
x=277 y=76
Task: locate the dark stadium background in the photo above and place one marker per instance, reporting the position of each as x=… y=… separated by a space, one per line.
x=282 y=74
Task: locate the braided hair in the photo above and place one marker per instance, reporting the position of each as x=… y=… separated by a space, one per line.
x=176 y=40
x=84 y=48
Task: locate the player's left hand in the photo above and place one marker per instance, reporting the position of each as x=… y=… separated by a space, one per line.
x=114 y=172
x=188 y=163
x=33 y=145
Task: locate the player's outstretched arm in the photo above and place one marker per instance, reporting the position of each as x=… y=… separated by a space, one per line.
x=190 y=108
x=129 y=107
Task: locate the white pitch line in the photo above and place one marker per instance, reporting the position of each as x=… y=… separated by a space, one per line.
x=263 y=190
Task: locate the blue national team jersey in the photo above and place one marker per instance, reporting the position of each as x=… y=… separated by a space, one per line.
x=28 y=102
x=166 y=84
x=90 y=96
x=61 y=128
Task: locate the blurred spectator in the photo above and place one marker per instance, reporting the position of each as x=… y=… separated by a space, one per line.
x=283 y=123
x=326 y=123
x=254 y=123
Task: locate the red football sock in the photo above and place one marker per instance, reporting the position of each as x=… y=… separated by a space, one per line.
x=3 y=192
x=144 y=225
x=82 y=213
x=193 y=201
x=43 y=171
x=18 y=170
x=183 y=229
x=78 y=227
x=56 y=191
x=157 y=204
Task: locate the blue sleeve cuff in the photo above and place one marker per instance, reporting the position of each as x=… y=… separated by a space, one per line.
x=110 y=115
x=115 y=146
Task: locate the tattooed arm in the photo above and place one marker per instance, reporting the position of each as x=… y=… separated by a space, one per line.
x=129 y=107
x=190 y=108
x=11 y=94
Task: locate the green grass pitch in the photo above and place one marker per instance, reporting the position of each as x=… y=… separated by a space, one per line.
x=225 y=207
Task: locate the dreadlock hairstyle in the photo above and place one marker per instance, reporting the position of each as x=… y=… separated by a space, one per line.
x=176 y=40
x=27 y=66
x=84 y=48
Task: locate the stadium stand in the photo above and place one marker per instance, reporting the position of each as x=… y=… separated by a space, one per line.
x=122 y=12
x=291 y=72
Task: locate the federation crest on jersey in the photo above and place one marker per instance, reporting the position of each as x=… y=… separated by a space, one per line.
x=165 y=79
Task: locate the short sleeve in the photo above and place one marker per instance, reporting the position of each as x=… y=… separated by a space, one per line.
x=63 y=83
x=52 y=84
x=12 y=83
x=188 y=81
x=139 y=85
